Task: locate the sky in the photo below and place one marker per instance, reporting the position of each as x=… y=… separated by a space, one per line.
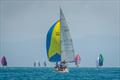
x=94 y=27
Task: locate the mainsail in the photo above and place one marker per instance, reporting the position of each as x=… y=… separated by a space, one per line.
x=59 y=43
x=67 y=51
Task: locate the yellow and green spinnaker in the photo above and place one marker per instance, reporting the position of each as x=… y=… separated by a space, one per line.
x=53 y=43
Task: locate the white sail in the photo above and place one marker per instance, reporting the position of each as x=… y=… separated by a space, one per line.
x=67 y=51
x=97 y=62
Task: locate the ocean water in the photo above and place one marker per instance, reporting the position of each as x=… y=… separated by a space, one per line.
x=51 y=74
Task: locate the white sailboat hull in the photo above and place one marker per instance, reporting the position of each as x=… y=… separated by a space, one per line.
x=62 y=71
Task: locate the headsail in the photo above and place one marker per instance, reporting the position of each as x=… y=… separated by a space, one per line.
x=53 y=43
x=67 y=51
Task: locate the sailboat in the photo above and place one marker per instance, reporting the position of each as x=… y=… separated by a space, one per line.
x=45 y=64
x=37 y=64
x=99 y=62
x=4 y=61
x=59 y=44
x=34 y=64
x=77 y=60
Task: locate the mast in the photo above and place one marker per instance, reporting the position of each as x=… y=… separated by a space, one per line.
x=67 y=50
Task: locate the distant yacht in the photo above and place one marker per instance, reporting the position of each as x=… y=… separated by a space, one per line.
x=45 y=64
x=37 y=64
x=4 y=61
x=77 y=60
x=34 y=64
x=99 y=62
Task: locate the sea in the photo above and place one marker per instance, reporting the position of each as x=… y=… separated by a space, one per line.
x=45 y=73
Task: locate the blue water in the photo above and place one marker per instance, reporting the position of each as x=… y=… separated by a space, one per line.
x=51 y=74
